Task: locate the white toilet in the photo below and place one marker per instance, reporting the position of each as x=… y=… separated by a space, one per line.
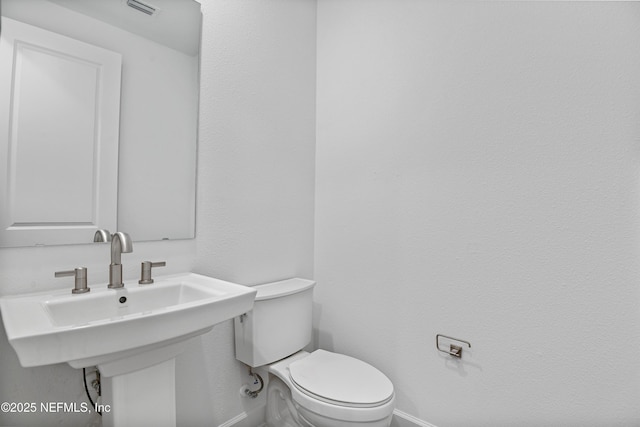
x=319 y=389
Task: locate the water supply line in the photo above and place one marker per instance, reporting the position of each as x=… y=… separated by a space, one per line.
x=95 y=384
x=256 y=378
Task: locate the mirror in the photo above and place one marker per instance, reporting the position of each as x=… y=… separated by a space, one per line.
x=59 y=193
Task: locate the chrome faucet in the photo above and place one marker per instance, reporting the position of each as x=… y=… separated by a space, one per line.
x=120 y=243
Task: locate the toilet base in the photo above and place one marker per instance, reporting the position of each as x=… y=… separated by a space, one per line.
x=311 y=419
x=282 y=411
x=279 y=410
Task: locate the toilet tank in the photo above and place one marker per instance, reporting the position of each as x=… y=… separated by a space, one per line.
x=279 y=324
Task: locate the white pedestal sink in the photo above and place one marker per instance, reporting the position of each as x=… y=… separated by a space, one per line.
x=132 y=334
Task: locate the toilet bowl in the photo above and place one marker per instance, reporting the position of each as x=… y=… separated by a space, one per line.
x=318 y=389
x=324 y=389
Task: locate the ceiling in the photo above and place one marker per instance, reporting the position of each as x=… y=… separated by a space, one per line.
x=175 y=23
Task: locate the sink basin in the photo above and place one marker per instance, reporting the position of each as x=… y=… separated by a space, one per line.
x=107 y=325
x=140 y=300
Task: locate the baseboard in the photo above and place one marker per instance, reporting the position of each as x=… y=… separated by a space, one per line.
x=235 y=421
x=402 y=419
x=256 y=419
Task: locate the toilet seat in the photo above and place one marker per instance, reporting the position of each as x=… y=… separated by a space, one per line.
x=340 y=380
x=340 y=387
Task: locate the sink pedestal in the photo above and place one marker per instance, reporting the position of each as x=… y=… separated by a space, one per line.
x=141 y=398
x=139 y=390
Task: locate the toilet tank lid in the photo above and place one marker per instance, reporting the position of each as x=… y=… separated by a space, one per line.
x=282 y=288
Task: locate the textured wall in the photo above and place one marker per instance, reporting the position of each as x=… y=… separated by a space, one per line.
x=477 y=175
x=255 y=176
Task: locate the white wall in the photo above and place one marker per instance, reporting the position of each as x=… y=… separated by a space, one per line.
x=255 y=179
x=478 y=176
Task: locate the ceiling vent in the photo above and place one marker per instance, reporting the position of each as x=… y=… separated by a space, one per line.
x=144 y=8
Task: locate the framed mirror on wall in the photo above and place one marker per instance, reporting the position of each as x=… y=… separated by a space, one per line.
x=98 y=119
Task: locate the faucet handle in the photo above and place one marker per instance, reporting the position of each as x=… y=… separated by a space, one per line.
x=80 y=274
x=145 y=273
